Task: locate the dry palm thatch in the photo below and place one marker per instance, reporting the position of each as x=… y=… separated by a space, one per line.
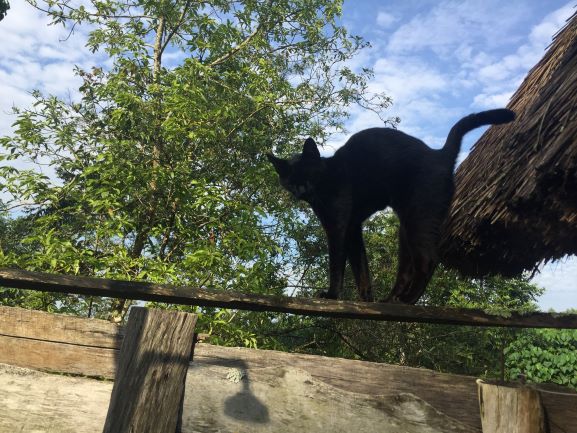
x=515 y=203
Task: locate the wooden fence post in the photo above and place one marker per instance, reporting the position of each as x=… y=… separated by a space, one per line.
x=149 y=382
x=510 y=409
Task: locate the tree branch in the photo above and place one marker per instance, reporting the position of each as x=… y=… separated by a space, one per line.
x=236 y=49
x=176 y=27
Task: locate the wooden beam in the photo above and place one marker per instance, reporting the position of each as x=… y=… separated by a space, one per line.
x=40 y=325
x=58 y=357
x=149 y=383
x=303 y=306
x=26 y=340
x=510 y=408
x=59 y=343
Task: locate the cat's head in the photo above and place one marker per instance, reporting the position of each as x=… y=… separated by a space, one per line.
x=300 y=174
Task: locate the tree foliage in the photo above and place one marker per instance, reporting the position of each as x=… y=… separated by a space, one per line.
x=155 y=171
x=544 y=356
x=4 y=6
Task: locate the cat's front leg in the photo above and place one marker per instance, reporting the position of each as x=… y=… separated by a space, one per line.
x=337 y=260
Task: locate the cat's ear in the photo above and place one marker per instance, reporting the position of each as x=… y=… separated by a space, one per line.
x=280 y=165
x=310 y=150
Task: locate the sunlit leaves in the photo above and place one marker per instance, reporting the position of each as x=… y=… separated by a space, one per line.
x=544 y=356
x=157 y=170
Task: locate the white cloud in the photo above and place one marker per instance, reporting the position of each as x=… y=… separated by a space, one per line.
x=463 y=68
x=37 y=55
x=385 y=19
x=462 y=156
x=454 y=25
x=26 y=30
x=465 y=40
x=502 y=77
x=419 y=91
x=541 y=34
x=407 y=77
x=484 y=100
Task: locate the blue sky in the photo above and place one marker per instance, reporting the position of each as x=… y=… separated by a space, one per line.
x=441 y=60
x=438 y=60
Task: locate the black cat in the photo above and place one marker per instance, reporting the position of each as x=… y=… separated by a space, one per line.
x=376 y=168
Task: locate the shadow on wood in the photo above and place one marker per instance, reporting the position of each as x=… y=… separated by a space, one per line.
x=149 y=383
x=67 y=344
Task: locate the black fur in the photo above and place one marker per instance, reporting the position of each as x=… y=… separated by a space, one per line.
x=376 y=168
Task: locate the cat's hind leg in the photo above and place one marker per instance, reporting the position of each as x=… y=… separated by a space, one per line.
x=404 y=268
x=423 y=239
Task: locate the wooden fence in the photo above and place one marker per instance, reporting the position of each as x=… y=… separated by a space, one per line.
x=303 y=306
x=66 y=344
x=150 y=370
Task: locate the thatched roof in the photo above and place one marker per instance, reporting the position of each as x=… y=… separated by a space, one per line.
x=515 y=203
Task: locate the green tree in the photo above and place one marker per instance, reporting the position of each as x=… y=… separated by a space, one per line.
x=544 y=356
x=156 y=171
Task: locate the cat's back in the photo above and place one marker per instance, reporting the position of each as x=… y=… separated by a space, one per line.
x=380 y=143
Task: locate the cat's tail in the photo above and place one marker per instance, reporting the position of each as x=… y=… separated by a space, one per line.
x=490 y=117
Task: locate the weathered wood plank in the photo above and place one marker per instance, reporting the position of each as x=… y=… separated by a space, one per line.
x=313 y=307
x=35 y=402
x=149 y=383
x=58 y=357
x=290 y=400
x=453 y=395
x=458 y=392
x=19 y=322
x=560 y=407
x=510 y=409
x=58 y=342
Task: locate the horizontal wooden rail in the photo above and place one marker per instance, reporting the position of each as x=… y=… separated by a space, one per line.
x=16 y=278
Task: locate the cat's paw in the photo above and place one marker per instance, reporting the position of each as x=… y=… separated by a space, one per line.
x=392 y=299
x=368 y=297
x=326 y=294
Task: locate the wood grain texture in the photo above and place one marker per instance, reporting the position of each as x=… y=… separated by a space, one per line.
x=58 y=343
x=510 y=409
x=19 y=322
x=58 y=357
x=302 y=306
x=149 y=383
x=453 y=395
x=36 y=402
